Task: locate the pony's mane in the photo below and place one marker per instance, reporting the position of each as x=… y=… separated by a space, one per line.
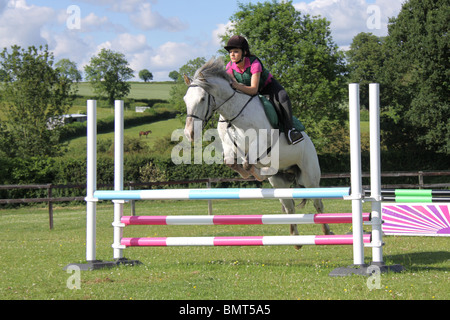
x=212 y=68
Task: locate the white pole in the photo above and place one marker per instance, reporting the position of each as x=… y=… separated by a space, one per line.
x=118 y=176
x=356 y=175
x=91 y=186
x=375 y=172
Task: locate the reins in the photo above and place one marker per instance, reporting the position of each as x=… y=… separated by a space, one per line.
x=208 y=116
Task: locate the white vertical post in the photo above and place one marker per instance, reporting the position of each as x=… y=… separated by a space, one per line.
x=375 y=172
x=91 y=205
x=356 y=174
x=118 y=176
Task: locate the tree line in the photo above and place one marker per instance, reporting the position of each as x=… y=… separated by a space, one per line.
x=411 y=63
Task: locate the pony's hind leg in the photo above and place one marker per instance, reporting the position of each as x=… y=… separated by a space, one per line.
x=318 y=204
x=307 y=179
x=284 y=180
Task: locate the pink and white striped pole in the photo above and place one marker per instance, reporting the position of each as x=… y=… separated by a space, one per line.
x=242 y=219
x=242 y=241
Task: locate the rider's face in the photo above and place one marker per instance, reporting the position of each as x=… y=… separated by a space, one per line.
x=235 y=55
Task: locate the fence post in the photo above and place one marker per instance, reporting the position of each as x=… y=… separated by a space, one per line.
x=210 y=209
x=50 y=205
x=420 y=179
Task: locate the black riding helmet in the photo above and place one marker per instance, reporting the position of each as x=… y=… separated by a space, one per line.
x=240 y=43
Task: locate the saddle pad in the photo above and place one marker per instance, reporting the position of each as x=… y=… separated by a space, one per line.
x=273 y=116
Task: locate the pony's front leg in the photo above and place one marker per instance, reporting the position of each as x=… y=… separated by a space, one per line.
x=230 y=161
x=251 y=160
x=255 y=172
x=239 y=169
x=281 y=180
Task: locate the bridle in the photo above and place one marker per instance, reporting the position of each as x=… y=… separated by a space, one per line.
x=211 y=110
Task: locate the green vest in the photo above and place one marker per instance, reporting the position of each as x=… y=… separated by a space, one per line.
x=246 y=77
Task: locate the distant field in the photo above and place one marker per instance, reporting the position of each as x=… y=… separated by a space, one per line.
x=139 y=90
x=159 y=130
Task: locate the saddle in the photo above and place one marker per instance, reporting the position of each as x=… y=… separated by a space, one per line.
x=272 y=116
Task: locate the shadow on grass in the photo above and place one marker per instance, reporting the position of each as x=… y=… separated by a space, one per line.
x=422 y=260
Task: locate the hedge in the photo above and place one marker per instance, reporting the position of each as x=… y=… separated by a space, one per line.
x=144 y=168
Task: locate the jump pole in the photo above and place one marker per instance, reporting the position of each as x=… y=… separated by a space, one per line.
x=91 y=186
x=358 y=267
x=356 y=175
x=356 y=196
x=375 y=181
x=375 y=173
x=118 y=176
x=243 y=241
x=91 y=204
x=224 y=193
x=356 y=184
x=240 y=219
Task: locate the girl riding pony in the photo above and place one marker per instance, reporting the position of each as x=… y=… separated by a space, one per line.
x=252 y=78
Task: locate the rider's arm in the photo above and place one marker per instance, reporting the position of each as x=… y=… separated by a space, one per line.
x=250 y=90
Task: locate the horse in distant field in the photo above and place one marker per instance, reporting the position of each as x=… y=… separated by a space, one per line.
x=144 y=133
x=209 y=92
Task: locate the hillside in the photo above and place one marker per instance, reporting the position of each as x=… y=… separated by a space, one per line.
x=141 y=94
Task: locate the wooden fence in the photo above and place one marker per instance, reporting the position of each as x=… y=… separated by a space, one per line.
x=208 y=182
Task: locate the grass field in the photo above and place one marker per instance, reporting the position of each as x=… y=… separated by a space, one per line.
x=33 y=257
x=139 y=90
x=141 y=93
x=159 y=129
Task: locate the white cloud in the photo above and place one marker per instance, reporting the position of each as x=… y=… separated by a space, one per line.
x=128 y=43
x=141 y=14
x=69 y=45
x=350 y=17
x=92 y=23
x=147 y=19
x=171 y=53
x=160 y=61
x=22 y=24
x=221 y=30
x=124 y=6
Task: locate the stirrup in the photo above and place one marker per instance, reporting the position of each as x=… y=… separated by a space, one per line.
x=300 y=139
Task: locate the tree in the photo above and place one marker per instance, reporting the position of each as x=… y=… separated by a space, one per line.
x=68 y=69
x=300 y=53
x=416 y=78
x=32 y=94
x=108 y=73
x=366 y=59
x=174 y=75
x=145 y=75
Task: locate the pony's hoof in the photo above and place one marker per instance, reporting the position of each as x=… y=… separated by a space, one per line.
x=298 y=247
x=259 y=178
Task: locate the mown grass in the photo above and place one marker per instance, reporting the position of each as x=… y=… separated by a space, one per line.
x=141 y=94
x=138 y=91
x=33 y=258
x=159 y=130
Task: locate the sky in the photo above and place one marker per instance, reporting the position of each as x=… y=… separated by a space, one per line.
x=162 y=35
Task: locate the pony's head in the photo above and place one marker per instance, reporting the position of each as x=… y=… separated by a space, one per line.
x=198 y=97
